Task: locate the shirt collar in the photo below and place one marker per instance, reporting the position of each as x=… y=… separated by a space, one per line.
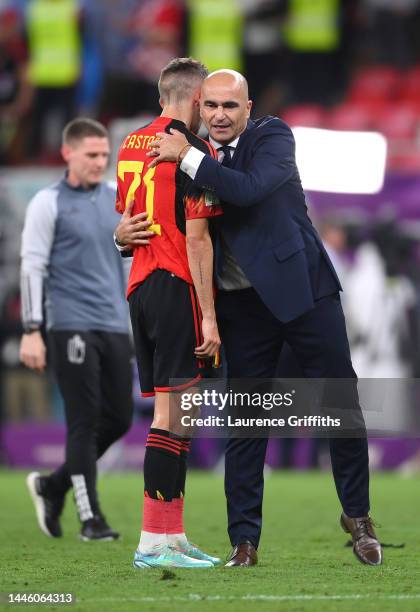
x=217 y=145
x=79 y=188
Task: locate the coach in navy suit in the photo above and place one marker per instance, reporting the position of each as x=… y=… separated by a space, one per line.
x=276 y=284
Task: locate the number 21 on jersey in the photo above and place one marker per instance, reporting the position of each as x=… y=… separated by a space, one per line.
x=136 y=168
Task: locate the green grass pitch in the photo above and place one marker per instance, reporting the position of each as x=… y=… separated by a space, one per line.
x=304 y=564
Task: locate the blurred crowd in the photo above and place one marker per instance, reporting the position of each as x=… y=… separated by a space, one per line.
x=378 y=266
x=61 y=58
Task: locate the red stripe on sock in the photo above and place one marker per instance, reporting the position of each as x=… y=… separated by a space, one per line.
x=164 y=439
x=167 y=448
x=154 y=515
x=175 y=516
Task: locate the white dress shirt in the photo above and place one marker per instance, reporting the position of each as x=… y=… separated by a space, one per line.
x=231 y=277
x=194 y=157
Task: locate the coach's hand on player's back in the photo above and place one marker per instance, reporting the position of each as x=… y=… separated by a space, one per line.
x=168 y=147
x=211 y=343
x=32 y=351
x=133 y=231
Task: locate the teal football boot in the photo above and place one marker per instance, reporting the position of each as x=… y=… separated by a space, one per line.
x=195 y=553
x=168 y=557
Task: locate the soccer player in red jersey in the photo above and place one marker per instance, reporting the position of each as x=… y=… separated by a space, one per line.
x=170 y=292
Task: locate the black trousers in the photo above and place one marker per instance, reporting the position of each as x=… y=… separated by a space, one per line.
x=94 y=375
x=253 y=340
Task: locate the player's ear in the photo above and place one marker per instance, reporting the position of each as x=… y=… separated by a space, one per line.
x=248 y=108
x=66 y=152
x=197 y=96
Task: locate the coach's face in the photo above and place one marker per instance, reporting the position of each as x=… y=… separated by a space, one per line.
x=224 y=105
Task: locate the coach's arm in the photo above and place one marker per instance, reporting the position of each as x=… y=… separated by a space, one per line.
x=271 y=164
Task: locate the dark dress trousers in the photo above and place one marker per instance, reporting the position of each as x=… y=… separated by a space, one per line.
x=294 y=298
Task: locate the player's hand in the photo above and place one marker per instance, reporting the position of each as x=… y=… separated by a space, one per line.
x=33 y=351
x=211 y=343
x=133 y=231
x=167 y=147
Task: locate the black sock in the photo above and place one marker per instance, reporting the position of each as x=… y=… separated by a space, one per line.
x=182 y=468
x=161 y=463
x=59 y=482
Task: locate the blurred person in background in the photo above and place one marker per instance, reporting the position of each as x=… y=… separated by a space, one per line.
x=137 y=39
x=157 y=25
x=334 y=237
x=68 y=249
x=215 y=33
x=263 y=45
x=110 y=22
x=383 y=322
x=314 y=39
x=381 y=308
x=16 y=92
x=55 y=63
x=91 y=81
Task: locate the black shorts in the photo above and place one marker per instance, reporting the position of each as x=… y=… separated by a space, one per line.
x=166 y=320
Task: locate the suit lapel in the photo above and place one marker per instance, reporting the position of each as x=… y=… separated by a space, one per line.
x=249 y=126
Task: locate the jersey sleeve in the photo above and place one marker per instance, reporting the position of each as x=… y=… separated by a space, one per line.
x=200 y=204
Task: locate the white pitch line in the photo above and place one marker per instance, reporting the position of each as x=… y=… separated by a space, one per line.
x=197 y=597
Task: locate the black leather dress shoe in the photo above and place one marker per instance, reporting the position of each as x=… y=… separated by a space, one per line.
x=243 y=555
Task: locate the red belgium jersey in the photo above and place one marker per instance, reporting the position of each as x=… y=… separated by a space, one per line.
x=167 y=194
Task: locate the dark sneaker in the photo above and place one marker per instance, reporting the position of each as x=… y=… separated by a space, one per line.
x=48 y=507
x=98 y=529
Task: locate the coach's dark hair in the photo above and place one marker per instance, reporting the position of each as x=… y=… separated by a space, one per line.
x=83 y=127
x=179 y=78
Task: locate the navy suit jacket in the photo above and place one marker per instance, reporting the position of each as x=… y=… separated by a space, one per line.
x=266 y=223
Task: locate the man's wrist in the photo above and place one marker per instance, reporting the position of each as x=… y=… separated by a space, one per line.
x=183 y=153
x=192 y=161
x=121 y=246
x=118 y=241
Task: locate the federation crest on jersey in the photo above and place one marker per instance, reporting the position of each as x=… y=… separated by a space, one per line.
x=211 y=199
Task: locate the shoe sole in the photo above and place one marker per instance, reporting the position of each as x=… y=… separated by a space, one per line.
x=38 y=503
x=106 y=539
x=140 y=565
x=214 y=563
x=143 y=565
